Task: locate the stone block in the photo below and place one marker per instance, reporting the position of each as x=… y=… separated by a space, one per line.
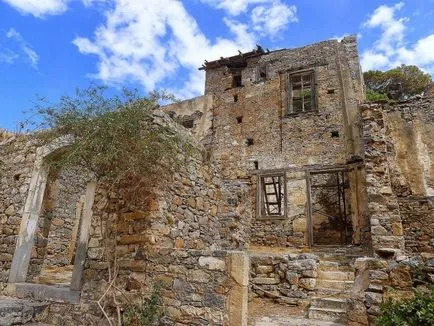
x=308 y=283
x=266 y=280
x=292 y=278
x=10 y=210
x=372 y=298
x=198 y=276
x=400 y=277
x=240 y=266
x=264 y=269
x=212 y=263
x=299 y=225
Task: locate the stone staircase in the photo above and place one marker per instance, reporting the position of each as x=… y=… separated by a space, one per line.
x=21 y=312
x=334 y=282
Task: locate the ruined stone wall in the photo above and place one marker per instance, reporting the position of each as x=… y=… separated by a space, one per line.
x=378 y=280
x=417 y=216
x=386 y=226
x=178 y=230
x=253 y=131
x=410 y=131
x=16 y=164
x=399 y=164
x=195 y=114
x=287 y=279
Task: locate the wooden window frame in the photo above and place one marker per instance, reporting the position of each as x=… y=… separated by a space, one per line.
x=260 y=197
x=289 y=92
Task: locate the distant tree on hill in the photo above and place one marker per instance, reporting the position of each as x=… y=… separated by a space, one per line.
x=397 y=84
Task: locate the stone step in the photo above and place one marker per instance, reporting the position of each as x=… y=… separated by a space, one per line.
x=334 y=284
x=336 y=275
x=292 y=321
x=335 y=266
x=332 y=293
x=18 y=312
x=329 y=303
x=327 y=314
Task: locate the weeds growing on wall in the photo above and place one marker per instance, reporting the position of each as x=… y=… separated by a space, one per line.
x=418 y=311
x=148 y=312
x=113 y=137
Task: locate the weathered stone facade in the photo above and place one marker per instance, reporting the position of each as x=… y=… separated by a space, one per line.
x=16 y=163
x=265 y=183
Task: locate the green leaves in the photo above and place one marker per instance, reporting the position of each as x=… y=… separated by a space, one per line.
x=418 y=311
x=399 y=83
x=114 y=137
x=147 y=313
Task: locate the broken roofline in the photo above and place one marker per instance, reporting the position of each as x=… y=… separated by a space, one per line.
x=239 y=58
x=242 y=57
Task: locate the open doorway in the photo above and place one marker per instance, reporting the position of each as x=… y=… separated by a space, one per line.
x=330 y=207
x=56 y=236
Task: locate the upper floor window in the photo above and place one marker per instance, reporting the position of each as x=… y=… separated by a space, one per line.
x=301 y=93
x=236 y=79
x=261 y=73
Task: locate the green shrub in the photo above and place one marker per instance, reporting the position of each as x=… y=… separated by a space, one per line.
x=375 y=96
x=418 y=311
x=113 y=137
x=148 y=312
x=399 y=83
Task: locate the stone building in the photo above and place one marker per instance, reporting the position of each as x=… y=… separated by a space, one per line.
x=303 y=204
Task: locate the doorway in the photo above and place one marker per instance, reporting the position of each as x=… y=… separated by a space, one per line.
x=330 y=207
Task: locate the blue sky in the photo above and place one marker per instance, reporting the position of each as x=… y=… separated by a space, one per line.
x=50 y=47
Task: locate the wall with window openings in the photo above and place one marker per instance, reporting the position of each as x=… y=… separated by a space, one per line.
x=294 y=109
x=289 y=109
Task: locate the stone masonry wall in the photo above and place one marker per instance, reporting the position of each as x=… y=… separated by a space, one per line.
x=251 y=129
x=379 y=279
x=417 y=216
x=285 y=278
x=400 y=169
x=16 y=164
x=386 y=225
x=179 y=231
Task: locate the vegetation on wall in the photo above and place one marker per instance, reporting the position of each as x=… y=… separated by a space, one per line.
x=418 y=311
x=148 y=312
x=396 y=84
x=113 y=137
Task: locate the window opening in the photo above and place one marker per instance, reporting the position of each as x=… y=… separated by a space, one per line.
x=301 y=95
x=235 y=98
x=239 y=120
x=272 y=196
x=187 y=123
x=236 y=80
x=335 y=134
x=249 y=141
x=262 y=73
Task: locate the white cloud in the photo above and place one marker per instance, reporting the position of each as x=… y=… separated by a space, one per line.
x=269 y=20
x=234 y=7
x=149 y=41
x=24 y=47
x=393 y=29
x=392 y=49
x=372 y=60
x=8 y=56
x=267 y=17
x=39 y=8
